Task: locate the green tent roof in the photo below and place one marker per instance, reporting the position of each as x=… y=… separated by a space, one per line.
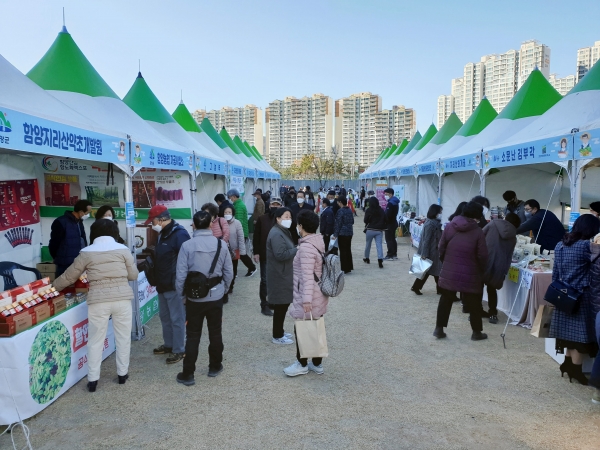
x=184 y=118
x=387 y=153
x=429 y=134
x=480 y=118
x=225 y=135
x=142 y=100
x=257 y=152
x=392 y=150
x=401 y=147
x=64 y=67
x=380 y=156
x=242 y=147
x=449 y=129
x=207 y=127
x=590 y=82
x=251 y=150
x=534 y=98
x=413 y=142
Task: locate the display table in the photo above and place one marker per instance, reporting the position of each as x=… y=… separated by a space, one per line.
x=415 y=232
x=40 y=364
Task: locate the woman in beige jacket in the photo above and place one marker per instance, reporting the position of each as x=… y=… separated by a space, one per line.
x=109 y=266
x=307 y=296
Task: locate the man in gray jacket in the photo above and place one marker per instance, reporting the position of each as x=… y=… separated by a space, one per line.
x=197 y=255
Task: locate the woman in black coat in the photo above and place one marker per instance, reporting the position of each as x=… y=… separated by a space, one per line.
x=428 y=247
x=375 y=226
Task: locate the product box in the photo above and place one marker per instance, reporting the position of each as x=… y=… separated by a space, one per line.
x=81 y=290
x=40 y=312
x=47 y=270
x=7 y=329
x=57 y=305
x=20 y=321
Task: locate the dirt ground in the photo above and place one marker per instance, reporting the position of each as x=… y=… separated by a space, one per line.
x=388 y=384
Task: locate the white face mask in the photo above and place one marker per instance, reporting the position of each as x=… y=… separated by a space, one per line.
x=486 y=212
x=87 y=216
x=298 y=230
x=387 y=197
x=286 y=223
x=109 y=218
x=157 y=228
x=438 y=217
x=300 y=201
x=228 y=217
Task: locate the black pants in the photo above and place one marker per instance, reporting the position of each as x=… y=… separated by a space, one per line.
x=279 y=312
x=390 y=240
x=235 y=264
x=345 y=246
x=473 y=302
x=418 y=284
x=304 y=361
x=262 y=290
x=492 y=300
x=326 y=239
x=195 y=314
x=247 y=261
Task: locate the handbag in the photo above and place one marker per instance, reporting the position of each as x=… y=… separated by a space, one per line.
x=197 y=285
x=563 y=296
x=420 y=266
x=311 y=337
x=541 y=324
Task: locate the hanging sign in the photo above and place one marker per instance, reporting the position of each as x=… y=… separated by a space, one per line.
x=129 y=215
x=587 y=144
x=540 y=151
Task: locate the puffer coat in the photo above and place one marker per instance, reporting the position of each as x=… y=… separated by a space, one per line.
x=308 y=262
x=428 y=246
x=280 y=272
x=500 y=238
x=236 y=236
x=464 y=255
x=109 y=267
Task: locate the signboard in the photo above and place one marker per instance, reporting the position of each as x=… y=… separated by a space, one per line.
x=129 y=215
x=540 y=151
x=399 y=191
x=587 y=144
x=207 y=165
x=513 y=274
x=159 y=158
x=147 y=297
x=572 y=218
x=428 y=168
x=250 y=173
x=461 y=163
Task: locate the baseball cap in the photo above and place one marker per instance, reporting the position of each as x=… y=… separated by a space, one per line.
x=276 y=200
x=156 y=211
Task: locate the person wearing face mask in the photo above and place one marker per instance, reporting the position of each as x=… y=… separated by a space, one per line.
x=300 y=205
x=259 y=206
x=105 y=212
x=280 y=274
x=237 y=244
x=290 y=197
x=67 y=236
x=331 y=197
x=391 y=215
x=514 y=205
x=218 y=225
x=547 y=229
x=428 y=247
x=171 y=307
x=326 y=222
x=343 y=232
x=483 y=201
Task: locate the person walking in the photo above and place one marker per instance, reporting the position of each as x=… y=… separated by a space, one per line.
x=309 y=197
x=109 y=266
x=308 y=300
x=241 y=214
x=259 y=244
x=237 y=245
x=67 y=236
x=572 y=265
x=218 y=225
x=428 y=248
x=464 y=257
x=290 y=197
x=280 y=255
x=222 y=202
x=327 y=222
x=171 y=310
x=391 y=214
x=259 y=206
x=207 y=255
x=363 y=194
x=375 y=226
x=595 y=298
x=343 y=232
x=105 y=212
x=547 y=229
x=500 y=239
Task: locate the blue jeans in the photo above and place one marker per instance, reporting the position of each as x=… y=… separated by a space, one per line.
x=172 y=317
x=595 y=378
x=378 y=236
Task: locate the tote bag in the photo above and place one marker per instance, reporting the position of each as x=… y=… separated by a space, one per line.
x=541 y=324
x=312 y=341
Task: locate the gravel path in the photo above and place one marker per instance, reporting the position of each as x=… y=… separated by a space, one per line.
x=388 y=384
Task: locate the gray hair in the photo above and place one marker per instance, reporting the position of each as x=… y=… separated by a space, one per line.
x=233 y=193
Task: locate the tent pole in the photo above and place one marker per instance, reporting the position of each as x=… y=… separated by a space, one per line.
x=440 y=187
x=482 y=186
x=193 y=187
x=576 y=180
x=417 y=205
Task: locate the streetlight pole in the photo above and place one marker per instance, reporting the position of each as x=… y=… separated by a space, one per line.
x=334 y=151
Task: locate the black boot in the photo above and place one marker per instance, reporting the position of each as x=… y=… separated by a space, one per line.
x=123 y=378
x=266 y=311
x=367 y=260
x=566 y=366
x=576 y=372
x=439 y=333
x=92 y=385
x=380 y=261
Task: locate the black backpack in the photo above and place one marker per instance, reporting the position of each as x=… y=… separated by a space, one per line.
x=197 y=285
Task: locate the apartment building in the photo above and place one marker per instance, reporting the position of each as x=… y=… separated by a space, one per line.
x=245 y=122
x=393 y=125
x=298 y=126
x=586 y=58
x=533 y=54
x=445 y=107
x=562 y=85
x=199 y=115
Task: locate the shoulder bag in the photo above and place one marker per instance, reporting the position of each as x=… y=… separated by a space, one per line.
x=197 y=285
x=562 y=295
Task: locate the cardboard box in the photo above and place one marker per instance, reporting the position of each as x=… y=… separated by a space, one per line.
x=7 y=329
x=22 y=321
x=82 y=290
x=57 y=305
x=46 y=267
x=40 y=312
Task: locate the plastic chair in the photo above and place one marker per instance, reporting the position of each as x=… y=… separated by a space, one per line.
x=6 y=270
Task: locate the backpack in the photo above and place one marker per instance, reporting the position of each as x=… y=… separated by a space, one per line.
x=332 y=277
x=197 y=285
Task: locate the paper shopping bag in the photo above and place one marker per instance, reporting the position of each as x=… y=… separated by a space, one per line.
x=541 y=324
x=312 y=340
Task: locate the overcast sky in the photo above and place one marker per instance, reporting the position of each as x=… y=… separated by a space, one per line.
x=235 y=52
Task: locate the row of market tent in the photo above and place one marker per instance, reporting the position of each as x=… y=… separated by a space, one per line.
x=537 y=131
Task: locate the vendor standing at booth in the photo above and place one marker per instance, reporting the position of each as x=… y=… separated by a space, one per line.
x=546 y=227
x=67 y=237
x=514 y=205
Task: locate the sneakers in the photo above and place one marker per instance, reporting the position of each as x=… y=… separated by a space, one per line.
x=288 y=335
x=265 y=311
x=316 y=369
x=282 y=341
x=478 y=336
x=295 y=369
x=162 y=350
x=389 y=258
x=395 y=258
x=439 y=333
x=214 y=372
x=175 y=358
x=123 y=378
x=493 y=318
x=596 y=397
x=251 y=272
x=186 y=380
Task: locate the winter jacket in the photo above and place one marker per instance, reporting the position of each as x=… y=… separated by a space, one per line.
x=572 y=264
x=595 y=276
x=259 y=210
x=308 y=262
x=196 y=255
x=109 y=266
x=241 y=214
x=344 y=221
x=296 y=208
x=67 y=238
x=552 y=229
x=518 y=209
x=289 y=199
x=375 y=219
x=223 y=206
x=220 y=228
x=261 y=233
x=500 y=239
x=391 y=212
x=166 y=251
x=342 y=192
x=464 y=255
x=236 y=236
x=428 y=245
x=326 y=222
x=280 y=272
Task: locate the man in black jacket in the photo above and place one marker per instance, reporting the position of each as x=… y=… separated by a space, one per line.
x=171 y=308
x=327 y=222
x=391 y=215
x=549 y=233
x=67 y=237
